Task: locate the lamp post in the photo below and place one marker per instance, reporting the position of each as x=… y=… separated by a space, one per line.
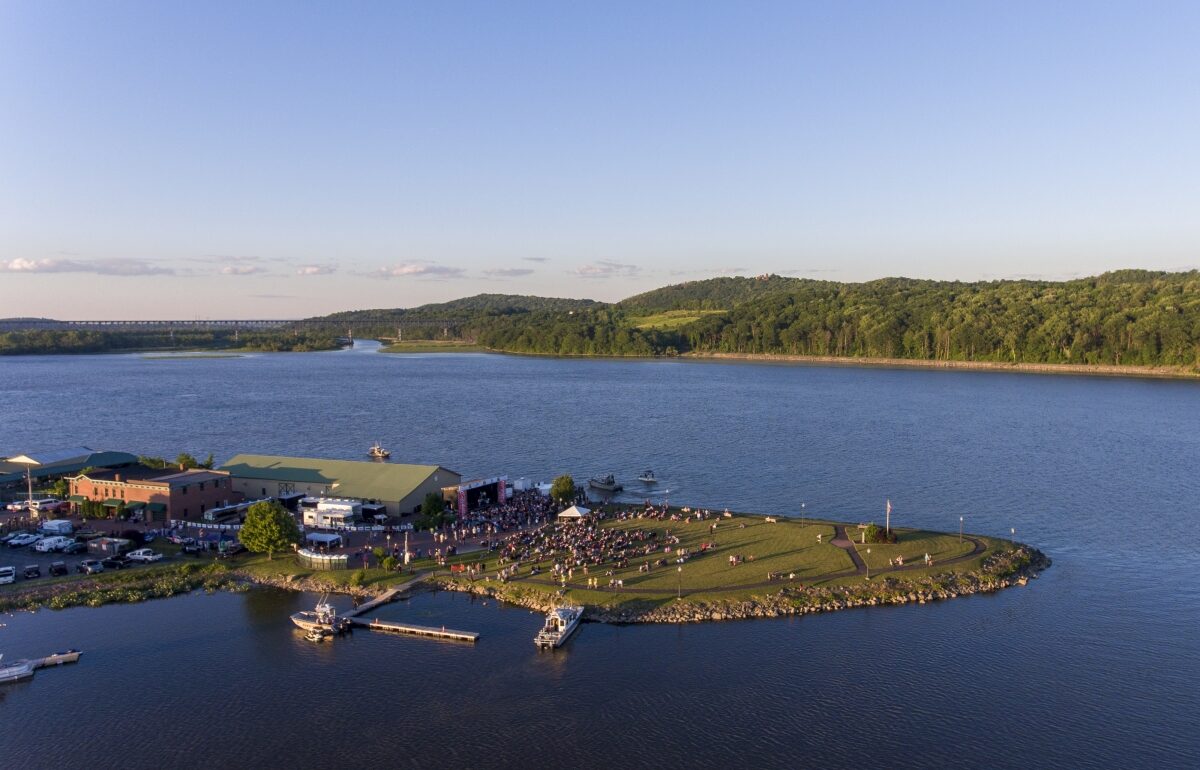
x=1013 y=539
x=960 y=523
x=801 y=514
x=868 y=563
x=679 y=588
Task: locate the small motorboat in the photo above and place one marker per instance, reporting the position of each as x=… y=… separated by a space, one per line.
x=322 y=618
x=561 y=622
x=317 y=635
x=378 y=452
x=647 y=477
x=606 y=484
x=15 y=671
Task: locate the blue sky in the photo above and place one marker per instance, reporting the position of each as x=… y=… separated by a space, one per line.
x=258 y=159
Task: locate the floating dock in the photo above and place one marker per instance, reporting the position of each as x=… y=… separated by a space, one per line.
x=426 y=631
x=57 y=659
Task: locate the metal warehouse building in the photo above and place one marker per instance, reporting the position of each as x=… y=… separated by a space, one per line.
x=400 y=488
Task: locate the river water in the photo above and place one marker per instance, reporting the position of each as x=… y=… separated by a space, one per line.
x=1094 y=664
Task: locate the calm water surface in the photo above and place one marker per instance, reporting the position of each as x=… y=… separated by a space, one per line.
x=1095 y=664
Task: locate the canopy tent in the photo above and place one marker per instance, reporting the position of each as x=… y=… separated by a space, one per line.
x=574 y=513
x=325 y=539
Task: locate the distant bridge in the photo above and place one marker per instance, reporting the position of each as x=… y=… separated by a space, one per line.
x=31 y=324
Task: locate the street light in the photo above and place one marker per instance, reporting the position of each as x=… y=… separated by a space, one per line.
x=868 y=563
x=801 y=514
x=960 y=523
x=679 y=589
x=1013 y=539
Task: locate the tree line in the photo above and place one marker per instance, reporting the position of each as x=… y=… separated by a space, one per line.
x=1130 y=317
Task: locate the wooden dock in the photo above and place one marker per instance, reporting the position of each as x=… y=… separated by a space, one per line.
x=426 y=631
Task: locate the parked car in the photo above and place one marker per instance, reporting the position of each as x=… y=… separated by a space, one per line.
x=32 y=571
x=90 y=567
x=11 y=535
x=7 y=575
x=233 y=549
x=19 y=505
x=75 y=547
x=144 y=555
x=20 y=541
x=179 y=539
x=59 y=568
x=116 y=562
x=193 y=548
x=55 y=543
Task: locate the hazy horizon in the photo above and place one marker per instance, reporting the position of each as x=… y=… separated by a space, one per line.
x=171 y=160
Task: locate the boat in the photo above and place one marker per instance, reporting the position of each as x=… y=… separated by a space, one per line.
x=561 y=622
x=317 y=635
x=647 y=477
x=606 y=484
x=323 y=618
x=377 y=451
x=59 y=658
x=15 y=671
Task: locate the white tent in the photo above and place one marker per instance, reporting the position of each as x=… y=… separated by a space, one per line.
x=574 y=513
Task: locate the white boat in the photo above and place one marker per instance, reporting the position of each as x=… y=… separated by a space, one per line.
x=379 y=452
x=323 y=618
x=605 y=484
x=647 y=477
x=560 y=624
x=15 y=671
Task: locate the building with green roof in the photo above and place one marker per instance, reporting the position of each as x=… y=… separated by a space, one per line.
x=400 y=488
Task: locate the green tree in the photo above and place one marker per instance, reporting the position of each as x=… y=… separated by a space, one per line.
x=563 y=489
x=433 y=511
x=209 y=462
x=60 y=489
x=269 y=528
x=388 y=563
x=186 y=460
x=152 y=462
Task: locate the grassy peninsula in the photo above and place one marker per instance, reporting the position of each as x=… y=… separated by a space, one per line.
x=784 y=567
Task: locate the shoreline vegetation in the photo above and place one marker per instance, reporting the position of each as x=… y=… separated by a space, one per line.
x=796 y=574
x=1136 y=323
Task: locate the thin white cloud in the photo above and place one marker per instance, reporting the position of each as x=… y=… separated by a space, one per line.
x=419 y=270
x=535 y=259
x=118 y=267
x=241 y=270
x=315 y=269
x=606 y=269
x=508 y=272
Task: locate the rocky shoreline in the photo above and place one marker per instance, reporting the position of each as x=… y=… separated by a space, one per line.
x=1002 y=570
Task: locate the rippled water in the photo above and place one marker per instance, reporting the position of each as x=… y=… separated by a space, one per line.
x=1094 y=664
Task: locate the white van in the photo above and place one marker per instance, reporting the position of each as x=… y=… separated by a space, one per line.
x=50 y=544
x=57 y=527
x=7 y=575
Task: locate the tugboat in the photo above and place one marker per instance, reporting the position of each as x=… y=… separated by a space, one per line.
x=560 y=624
x=15 y=671
x=323 y=618
x=647 y=477
x=378 y=452
x=606 y=484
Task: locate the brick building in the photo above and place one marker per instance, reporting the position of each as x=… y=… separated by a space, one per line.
x=158 y=493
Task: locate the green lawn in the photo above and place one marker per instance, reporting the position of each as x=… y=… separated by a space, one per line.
x=671 y=319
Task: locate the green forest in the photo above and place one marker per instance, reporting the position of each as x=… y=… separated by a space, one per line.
x=1129 y=317
x=50 y=341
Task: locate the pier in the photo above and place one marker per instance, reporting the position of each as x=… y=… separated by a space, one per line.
x=406 y=628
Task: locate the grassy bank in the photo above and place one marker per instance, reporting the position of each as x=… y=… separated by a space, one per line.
x=433 y=346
